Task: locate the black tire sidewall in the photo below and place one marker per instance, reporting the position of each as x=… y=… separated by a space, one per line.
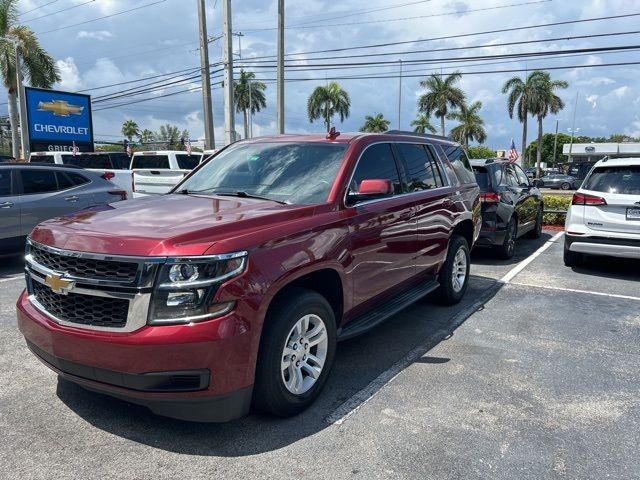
x=448 y=295
x=511 y=231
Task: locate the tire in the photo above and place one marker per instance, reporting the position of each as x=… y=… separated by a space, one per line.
x=281 y=391
x=454 y=274
x=508 y=248
x=572 y=259
x=537 y=229
x=565 y=186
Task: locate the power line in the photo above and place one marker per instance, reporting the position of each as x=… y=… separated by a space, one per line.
x=59 y=11
x=103 y=17
x=37 y=8
x=139 y=80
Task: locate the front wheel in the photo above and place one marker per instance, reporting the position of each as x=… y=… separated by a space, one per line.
x=454 y=275
x=565 y=186
x=296 y=353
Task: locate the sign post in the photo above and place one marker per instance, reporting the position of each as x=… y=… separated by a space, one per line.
x=58 y=120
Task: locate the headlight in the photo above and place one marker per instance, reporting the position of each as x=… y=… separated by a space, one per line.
x=187 y=285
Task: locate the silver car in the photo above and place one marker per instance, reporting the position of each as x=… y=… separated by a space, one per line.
x=31 y=193
x=557 y=180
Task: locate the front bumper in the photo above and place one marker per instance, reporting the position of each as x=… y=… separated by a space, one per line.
x=198 y=372
x=612 y=247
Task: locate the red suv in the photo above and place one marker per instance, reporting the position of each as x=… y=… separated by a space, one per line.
x=234 y=288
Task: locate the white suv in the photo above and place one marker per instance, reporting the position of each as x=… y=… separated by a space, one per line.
x=604 y=216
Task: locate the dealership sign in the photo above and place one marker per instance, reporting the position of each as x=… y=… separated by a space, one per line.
x=58 y=120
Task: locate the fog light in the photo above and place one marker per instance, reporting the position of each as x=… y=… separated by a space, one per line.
x=184 y=299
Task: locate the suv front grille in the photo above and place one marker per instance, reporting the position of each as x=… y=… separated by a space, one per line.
x=83 y=309
x=85 y=267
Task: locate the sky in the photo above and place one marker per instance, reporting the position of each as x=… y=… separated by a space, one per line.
x=145 y=38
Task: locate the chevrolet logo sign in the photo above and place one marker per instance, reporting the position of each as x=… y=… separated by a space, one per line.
x=58 y=285
x=60 y=108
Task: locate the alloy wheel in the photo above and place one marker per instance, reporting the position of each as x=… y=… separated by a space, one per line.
x=459 y=271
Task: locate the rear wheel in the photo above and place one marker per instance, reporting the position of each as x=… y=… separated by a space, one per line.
x=537 y=229
x=565 y=186
x=572 y=259
x=454 y=275
x=296 y=353
x=508 y=248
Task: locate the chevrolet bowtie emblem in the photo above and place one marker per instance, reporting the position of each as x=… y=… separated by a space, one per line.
x=57 y=284
x=60 y=108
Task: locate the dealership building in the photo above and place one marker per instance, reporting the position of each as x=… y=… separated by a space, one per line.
x=583 y=155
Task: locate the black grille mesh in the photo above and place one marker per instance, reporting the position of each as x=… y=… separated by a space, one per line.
x=84 y=267
x=83 y=309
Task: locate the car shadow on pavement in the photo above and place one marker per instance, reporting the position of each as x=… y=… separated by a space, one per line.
x=609 y=267
x=11 y=265
x=403 y=339
x=524 y=248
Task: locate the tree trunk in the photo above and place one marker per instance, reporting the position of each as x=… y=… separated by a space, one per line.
x=246 y=123
x=327 y=121
x=13 y=119
x=524 y=142
x=539 y=149
x=442 y=126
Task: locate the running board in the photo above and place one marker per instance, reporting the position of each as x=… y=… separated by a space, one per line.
x=376 y=316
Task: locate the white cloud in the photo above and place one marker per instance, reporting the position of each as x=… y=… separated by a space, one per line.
x=592 y=99
x=70 y=77
x=96 y=35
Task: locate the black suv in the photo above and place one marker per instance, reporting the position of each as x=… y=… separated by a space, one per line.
x=511 y=205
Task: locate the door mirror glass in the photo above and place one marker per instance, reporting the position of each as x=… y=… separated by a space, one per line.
x=375 y=187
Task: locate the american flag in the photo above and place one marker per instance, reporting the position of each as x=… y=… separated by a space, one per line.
x=74 y=149
x=188 y=147
x=513 y=153
x=129 y=150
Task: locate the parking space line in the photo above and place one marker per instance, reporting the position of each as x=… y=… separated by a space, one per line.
x=7 y=279
x=574 y=290
x=362 y=397
x=524 y=263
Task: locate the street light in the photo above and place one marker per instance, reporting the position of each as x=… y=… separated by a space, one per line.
x=19 y=92
x=572 y=131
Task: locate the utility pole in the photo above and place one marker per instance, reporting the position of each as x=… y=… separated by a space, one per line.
x=573 y=128
x=227 y=60
x=280 y=68
x=250 y=110
x=400 y=94
x=207 y=106
x=22 y=110
x=555 y=144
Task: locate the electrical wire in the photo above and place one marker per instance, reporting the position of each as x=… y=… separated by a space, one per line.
x=59 y=11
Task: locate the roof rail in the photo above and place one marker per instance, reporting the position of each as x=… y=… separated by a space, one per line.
x=421 y=135
x=42 y=164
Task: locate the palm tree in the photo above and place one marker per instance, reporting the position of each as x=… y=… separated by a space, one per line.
x=37 y=66
x=376 y=123
x=145 y=136
x=327 y=101
x=422 y=124
x=545 y=102
x=521 y=99
x=130 y=129
x=441 y=95
x=249 y=96
x=471 y=126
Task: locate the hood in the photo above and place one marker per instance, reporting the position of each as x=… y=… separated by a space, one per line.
x=164 y=225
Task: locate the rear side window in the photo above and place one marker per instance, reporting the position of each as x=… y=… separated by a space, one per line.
x=188 y=162
x=38 y=181
x=623 y=180
x=460 y=163
x=63 y=181
x=150 y=161
x=77 y=179
x=377 y=163
x=421 y=170
x=5 y=182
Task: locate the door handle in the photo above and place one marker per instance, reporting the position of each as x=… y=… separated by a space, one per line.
x=72 y=198
x=6 y=205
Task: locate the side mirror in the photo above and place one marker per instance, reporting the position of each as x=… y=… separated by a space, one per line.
x=538 y=183
x=370 y=189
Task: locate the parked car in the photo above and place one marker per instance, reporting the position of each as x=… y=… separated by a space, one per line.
x=604 y=216
x=155 y=173
x=31 y=193
x=7 y=159
x=236 y=286
x=512 y=205
x=112 y=166
x=559 y=181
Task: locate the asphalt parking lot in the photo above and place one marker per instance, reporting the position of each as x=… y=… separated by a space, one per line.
x=536 y=374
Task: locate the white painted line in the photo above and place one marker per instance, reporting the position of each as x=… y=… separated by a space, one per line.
x=523 y=264
x=574 y=290
x=13 y=277
x=361 y=398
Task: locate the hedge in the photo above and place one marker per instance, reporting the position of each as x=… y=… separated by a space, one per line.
x=555 y=202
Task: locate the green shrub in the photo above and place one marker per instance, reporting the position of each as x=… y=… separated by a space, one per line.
x=555 y=202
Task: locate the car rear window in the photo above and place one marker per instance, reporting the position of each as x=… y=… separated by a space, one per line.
x=482 y=177
x=42 y=158
x=5 y=182
x=88 y=161
x=150 y=161
x=188 y=162
x=613 y=179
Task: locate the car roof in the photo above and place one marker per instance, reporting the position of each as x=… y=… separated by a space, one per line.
x=618 y=162
x=40 y=164
x=348 y=137
x=482 y=162
x=164 y=152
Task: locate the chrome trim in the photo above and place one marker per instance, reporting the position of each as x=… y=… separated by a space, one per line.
x=205 y=258
x=90 y=292
x=209 y=281
x=193 y=318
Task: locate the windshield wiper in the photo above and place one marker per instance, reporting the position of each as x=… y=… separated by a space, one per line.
x=243 y=194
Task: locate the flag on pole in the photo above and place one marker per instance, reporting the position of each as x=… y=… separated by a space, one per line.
x=513 y=153
x=74 y=149
x=129 y=150
x=188 y=147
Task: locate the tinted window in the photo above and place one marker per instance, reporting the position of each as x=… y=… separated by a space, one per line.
x=482 y=178
x=5 y=182
x=120 y=161
x=150 y=161
x=510 y=177
x=89 y=161
x=42 y=159
x=624 y=180
x=63 y=181
x=421 y=172
x=38 y=181
x=522 y=177
x=77 y=179
x=377 y=162
x=188 y=162
x=460 y=163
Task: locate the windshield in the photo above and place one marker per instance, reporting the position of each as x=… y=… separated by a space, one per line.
x=624 y=180
x=296 y=173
